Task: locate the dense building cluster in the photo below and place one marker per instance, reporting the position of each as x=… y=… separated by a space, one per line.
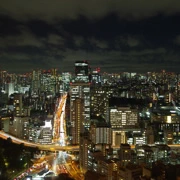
x=127 y=125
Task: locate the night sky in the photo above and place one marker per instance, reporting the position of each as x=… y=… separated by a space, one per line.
x=115 y=35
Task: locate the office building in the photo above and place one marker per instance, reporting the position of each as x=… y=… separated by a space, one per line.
x=124 y=154
x=66 y=79
x=18 y=105
x=118 y=137
x=122 y=120
x=99 y=100
x=9 y=88
x=83 y=152
x=79 y=101
x=82 y=71
x=18 y=127
x=77 y=118
x=96 y=77
x=130 y=172
x=45 y=136
x=109 y=168
x=36 y=75
x=101 y=137
x=122 y=117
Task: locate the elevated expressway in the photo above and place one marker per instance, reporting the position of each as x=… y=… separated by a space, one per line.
x=59 y=122
x=59 y=132
x=49 y=147
x=55 y=147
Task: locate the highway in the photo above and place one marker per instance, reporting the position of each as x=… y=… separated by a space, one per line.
x=58 y=128
x=49 y=147
x=59 y=132
x=55 y=147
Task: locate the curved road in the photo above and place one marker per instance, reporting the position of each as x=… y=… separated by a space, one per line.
x=50 y=147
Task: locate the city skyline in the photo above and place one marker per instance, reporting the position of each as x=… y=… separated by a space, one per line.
x=116 y=36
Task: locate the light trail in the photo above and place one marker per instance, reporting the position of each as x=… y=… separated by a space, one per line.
x=62 y=125
x=58 y=126
x=48 y=147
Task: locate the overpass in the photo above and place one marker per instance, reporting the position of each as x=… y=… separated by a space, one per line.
x=54 y=147
x=47 y=147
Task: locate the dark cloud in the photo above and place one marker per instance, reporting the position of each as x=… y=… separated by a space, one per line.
x=177 y=40
x=117 y=35
x=55 y=9
x=26 y=38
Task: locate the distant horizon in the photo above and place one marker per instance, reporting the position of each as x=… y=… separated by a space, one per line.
x=72 y=72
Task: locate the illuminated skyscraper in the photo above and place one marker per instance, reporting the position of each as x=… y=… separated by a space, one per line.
x=101 y=135
x=79 y=108
x=80 y=101
x=36 y=81
x=46 y=83
x=99 y=100
x=81 y=68
x=77 y=117
x=122 y=119
x=83 y=152
x=96 y=77
x=82 y=71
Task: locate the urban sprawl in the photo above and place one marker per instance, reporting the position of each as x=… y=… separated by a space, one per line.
x=121 y=126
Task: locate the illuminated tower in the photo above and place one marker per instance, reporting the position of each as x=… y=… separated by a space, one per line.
x=77 y=120
x=99 y=100
x=82 y=71
x=96 y=77
x=80 y=97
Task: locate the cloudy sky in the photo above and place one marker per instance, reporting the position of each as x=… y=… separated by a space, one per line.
x=115 y=35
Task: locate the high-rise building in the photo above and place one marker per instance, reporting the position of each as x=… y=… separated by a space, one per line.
x=83 y=152
x=82 y=71
x=81 y=68
x=66 y=78
x=36 y=81
x=118 y=137
x=131 y=171
x=122 y=117
x=100 y=134
x=17 y=127
x=46 y=82
x=18 y=105
x=3 y=76
x=45 y=136
x=122 y=120
x=96 y=78
x=77 y=118
x=108 y=167
x=125 y=154
x=101 y=137
x=79 y=101
x=99 y=100
x=9 y=88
